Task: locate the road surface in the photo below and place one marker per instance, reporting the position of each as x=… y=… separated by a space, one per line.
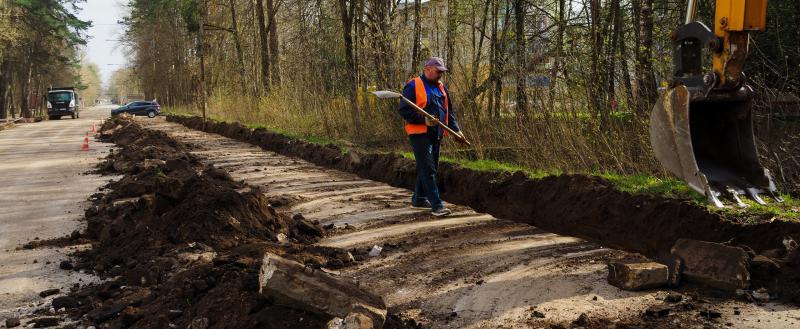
x=44 y=186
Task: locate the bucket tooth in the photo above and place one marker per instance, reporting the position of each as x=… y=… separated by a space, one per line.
x=713 y=198
x=776 y=197
x=753 y=192
x=735 y=197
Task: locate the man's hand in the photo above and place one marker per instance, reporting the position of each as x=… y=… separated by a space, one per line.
x=462 y=139
x=429 y=122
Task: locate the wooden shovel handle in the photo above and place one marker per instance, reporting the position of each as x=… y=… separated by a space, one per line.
x=430 y=117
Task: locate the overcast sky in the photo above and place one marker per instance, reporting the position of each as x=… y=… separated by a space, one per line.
x=102 y=48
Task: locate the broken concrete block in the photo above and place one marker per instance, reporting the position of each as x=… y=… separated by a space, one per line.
x=296 y=285
x=637 y=275
x=713 y=264
x=764 y=271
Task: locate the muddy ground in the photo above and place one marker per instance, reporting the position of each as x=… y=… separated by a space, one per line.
x=180 y=237
x=180 y=244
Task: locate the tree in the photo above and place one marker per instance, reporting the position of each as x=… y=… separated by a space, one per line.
x=274 y=52
x=263 y=36
x=347 y=13
x=521 y=53
x=646 y=79
x=42 y=40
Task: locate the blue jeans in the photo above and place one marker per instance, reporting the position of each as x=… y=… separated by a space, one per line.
x=426 y=154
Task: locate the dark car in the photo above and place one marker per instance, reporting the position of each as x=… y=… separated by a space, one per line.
x=150 y=109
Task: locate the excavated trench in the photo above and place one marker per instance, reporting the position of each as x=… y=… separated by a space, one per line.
x=588 y=207
x=583 y=206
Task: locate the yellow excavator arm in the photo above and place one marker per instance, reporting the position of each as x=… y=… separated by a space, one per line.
x=733 y=22
x=701 y=127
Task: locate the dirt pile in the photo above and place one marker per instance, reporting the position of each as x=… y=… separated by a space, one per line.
x=182 y=244
x=576 y=205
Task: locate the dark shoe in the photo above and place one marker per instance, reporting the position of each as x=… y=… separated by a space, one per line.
x=440 y=212
x=421 y=205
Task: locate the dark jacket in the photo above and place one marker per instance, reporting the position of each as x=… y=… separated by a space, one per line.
x=434 y=106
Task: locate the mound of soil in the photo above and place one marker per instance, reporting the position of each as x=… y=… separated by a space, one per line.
x=584 y=206
x=182 y=244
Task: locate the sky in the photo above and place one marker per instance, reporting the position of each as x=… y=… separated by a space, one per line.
x=103 y=48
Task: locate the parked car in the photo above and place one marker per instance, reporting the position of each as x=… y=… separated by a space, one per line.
x=150 y=109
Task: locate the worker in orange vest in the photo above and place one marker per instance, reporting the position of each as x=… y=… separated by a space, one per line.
x=430 y=94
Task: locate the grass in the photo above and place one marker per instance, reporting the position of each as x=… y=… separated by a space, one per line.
x=645 y=184
x=650 y=185
x=755 y=213
x=305 y=137
x=635 y=184
x=491 y=165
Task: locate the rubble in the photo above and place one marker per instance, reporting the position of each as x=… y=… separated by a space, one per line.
x=713 y=264
x=637 y=275
x=295 y=284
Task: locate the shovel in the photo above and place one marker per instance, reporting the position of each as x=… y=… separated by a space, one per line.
x=391 y=94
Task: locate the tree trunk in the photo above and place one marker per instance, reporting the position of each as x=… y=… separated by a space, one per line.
x=5 y=77
x=611 y=65
x=274 y=50
x=646 y=81
x=264 y=42
x=383 y=56
x=417 y=33
x=493 y=110
x=557 y=62
x=347 y=11
x=450 y=33
x=203 y=93
x=237 y=42
x=25 y=110
x=623 y=60
x=522 y=97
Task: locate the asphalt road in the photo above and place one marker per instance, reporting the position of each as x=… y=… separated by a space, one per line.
x=44 y=186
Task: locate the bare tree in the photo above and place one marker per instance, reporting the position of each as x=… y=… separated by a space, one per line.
x=521 y=52
x=263 y=36
x=646 y=80
x=238 y=44
x=347 y=12
x=274 y=51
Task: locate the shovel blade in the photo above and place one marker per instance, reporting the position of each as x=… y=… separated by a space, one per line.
x=386 y=94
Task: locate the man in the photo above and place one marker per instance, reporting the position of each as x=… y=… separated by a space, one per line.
x=429 y=93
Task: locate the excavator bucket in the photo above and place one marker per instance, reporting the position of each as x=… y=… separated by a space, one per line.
x=708 y=142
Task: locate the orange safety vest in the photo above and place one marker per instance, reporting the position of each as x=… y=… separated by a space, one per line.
x=421 y=96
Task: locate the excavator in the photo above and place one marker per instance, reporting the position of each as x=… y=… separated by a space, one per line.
x=701 y=128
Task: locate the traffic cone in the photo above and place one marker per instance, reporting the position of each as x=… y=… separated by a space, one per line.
x=85 y=146
x=93 y=129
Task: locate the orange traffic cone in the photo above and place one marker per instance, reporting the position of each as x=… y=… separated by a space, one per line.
x=93 y=129
x=85 y=146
